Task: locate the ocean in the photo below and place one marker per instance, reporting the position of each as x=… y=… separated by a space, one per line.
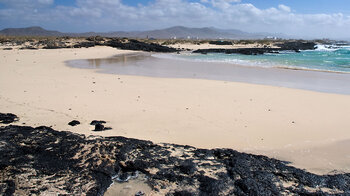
x=328 y=67
x=325 y=58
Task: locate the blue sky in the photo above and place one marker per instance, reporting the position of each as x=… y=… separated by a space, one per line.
x=307 y=6
x=302 y=6
x=316 y=18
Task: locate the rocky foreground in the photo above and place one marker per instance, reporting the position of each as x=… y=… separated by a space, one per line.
x=41 y=160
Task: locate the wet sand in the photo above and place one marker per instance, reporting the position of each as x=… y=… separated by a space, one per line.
x=275 y=121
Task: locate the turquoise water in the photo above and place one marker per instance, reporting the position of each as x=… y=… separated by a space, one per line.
x=324 y=58
x=149 y=65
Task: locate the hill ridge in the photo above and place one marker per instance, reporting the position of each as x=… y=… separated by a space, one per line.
x=174 y=32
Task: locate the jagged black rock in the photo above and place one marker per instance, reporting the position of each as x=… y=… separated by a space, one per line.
x=287 y=46
x=7 y=118
x=37 y=159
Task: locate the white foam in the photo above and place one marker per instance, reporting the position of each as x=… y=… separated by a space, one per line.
x=322 y=47
x=212 y=59
x=326 y=48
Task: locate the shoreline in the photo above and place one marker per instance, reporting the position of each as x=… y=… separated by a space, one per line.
x=245 y=117
x=290 y=67
x=157 y=65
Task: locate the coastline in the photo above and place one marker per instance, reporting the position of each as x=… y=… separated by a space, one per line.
x=309 y=69
x=249 y=64
x=159 y=65
x=38 y=87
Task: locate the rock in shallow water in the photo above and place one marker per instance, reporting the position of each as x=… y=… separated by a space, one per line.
x=67 y=163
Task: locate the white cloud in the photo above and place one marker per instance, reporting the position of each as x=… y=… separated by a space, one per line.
x=284 y=8
x=223 y=4
x=110 y=15
x=47 y=2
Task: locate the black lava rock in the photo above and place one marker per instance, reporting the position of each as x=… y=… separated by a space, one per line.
x=7 y=118
x=297 y=45
x=187 y=167
x=220 y=42
x=287 y=46
x=55 y=45
x=246 y=51
x=95 y=122
x=74 y=123
x=95 y=38
x=99 y=127
x=137 y=45
x=68 y=162
x=84 y=45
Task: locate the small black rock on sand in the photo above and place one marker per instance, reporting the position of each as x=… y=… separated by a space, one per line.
x=99 y=125
x=74 y=123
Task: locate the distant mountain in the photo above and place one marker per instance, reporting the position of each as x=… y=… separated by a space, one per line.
x=30 y=31
x=181 y=32
x=39 y=31
x=178 y=32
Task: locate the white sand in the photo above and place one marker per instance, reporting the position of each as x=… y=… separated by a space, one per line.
x=42 y=90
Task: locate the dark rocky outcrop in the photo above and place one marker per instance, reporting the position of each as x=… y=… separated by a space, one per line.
x=55 y=45
x=129 y=45
x=85 y=45
x=246 y=51
x=220 y=42
x=58 y=43
x=7 y=118
x=137 y=45
x=297 y=45
x=32 y=43
x=40 y=160
x=286 y=46
x=95 y=38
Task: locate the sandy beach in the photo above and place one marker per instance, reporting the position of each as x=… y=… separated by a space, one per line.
x=311 y=129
